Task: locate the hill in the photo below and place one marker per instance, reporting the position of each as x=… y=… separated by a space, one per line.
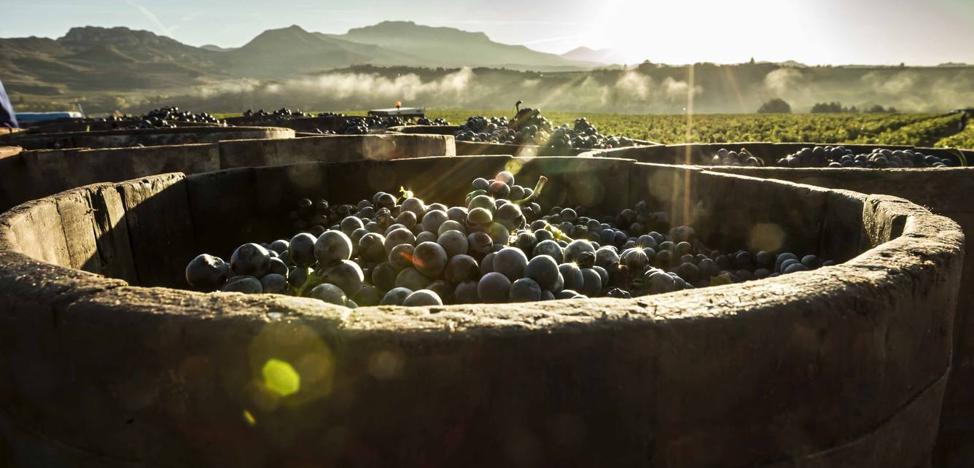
x=450 y=47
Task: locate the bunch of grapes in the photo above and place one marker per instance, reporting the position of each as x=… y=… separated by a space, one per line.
x=880 y=158
x=532 y=128
x=735 y=158
x=499 y=246
x=439 y=122
x=281 y=114
x=165 y=117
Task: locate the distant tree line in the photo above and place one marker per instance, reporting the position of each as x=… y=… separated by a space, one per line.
x=838 y=108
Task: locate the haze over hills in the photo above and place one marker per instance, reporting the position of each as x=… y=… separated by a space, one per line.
x=124 y=69
x=601 y=56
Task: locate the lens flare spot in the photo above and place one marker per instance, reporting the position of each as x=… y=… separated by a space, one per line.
x=281 y=378
x=249 y=418
x=766 y=236
x=385 y=365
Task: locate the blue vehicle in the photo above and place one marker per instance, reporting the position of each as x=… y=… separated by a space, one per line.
x=7 y=116
x=36 y=117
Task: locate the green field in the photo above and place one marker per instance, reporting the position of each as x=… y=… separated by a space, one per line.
x=927 y=130
x=891 y=129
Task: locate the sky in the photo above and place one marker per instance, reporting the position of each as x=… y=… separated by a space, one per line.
x=917 y=32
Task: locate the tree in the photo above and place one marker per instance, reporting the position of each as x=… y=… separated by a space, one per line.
x=775 y=106
x=828 y=108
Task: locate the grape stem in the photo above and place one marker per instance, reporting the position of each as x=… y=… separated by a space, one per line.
x=537 y=191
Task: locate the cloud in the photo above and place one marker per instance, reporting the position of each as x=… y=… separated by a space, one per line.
x=151 y=17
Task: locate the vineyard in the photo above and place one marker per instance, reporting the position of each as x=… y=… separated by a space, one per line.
x=891 y=129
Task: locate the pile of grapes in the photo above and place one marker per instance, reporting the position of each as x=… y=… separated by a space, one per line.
x=350 y=125
x=165 y=117
x=501 y=246
x=529 y=127
x=736 y=158
x=438 y=122
x=281 y=114
x=835 y=156
x=880 y=158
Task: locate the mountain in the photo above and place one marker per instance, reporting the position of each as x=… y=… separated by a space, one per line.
x=118 y=59
x=90 y=58
x=450 y=47
x=279 y=53
x=601 y=56
x=215 y=48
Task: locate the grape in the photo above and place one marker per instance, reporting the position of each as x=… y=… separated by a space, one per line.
x=544 y=270
x=412 y=279
x=509 y=214
x=505 y=177
x=606 y=257
x=499 y=234
x=433 y=219
x=329 y=293
x=510 y=262
x=482 y=201
x=451 y=225
x=525 y=241
x=479 y=217
x=549 y=248
x=332 y=247
x=782 y=257
x=398 y=237
x=487 y=263
x=244 y=284
x=415 y=205
x=350 y=224
x=425 y=236
x=634 y=259
x=461 y=268
x=480 y=183
x=367 y=296
x=572 y=276
x=453 y=242
x=659 y=282
x=407 y=218
x=466 y=293
x=346 y=275
x=576 y=250
x=279 y=246
x=395 y=296
x=794 y=268
x=429 y=258
x=457 y=213
x=385 y=200
x=384 y=276
x=525 y=290
x=494 y=288
x=274 y=283
x=401 y=256
x=423 y=297
x=591 y=282
x=479 y=243
x=442 y=289
x=207 y=273
x=371 y=247
x=297 y=276
x=689 y=272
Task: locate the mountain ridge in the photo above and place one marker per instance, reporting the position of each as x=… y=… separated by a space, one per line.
x=120 y=58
